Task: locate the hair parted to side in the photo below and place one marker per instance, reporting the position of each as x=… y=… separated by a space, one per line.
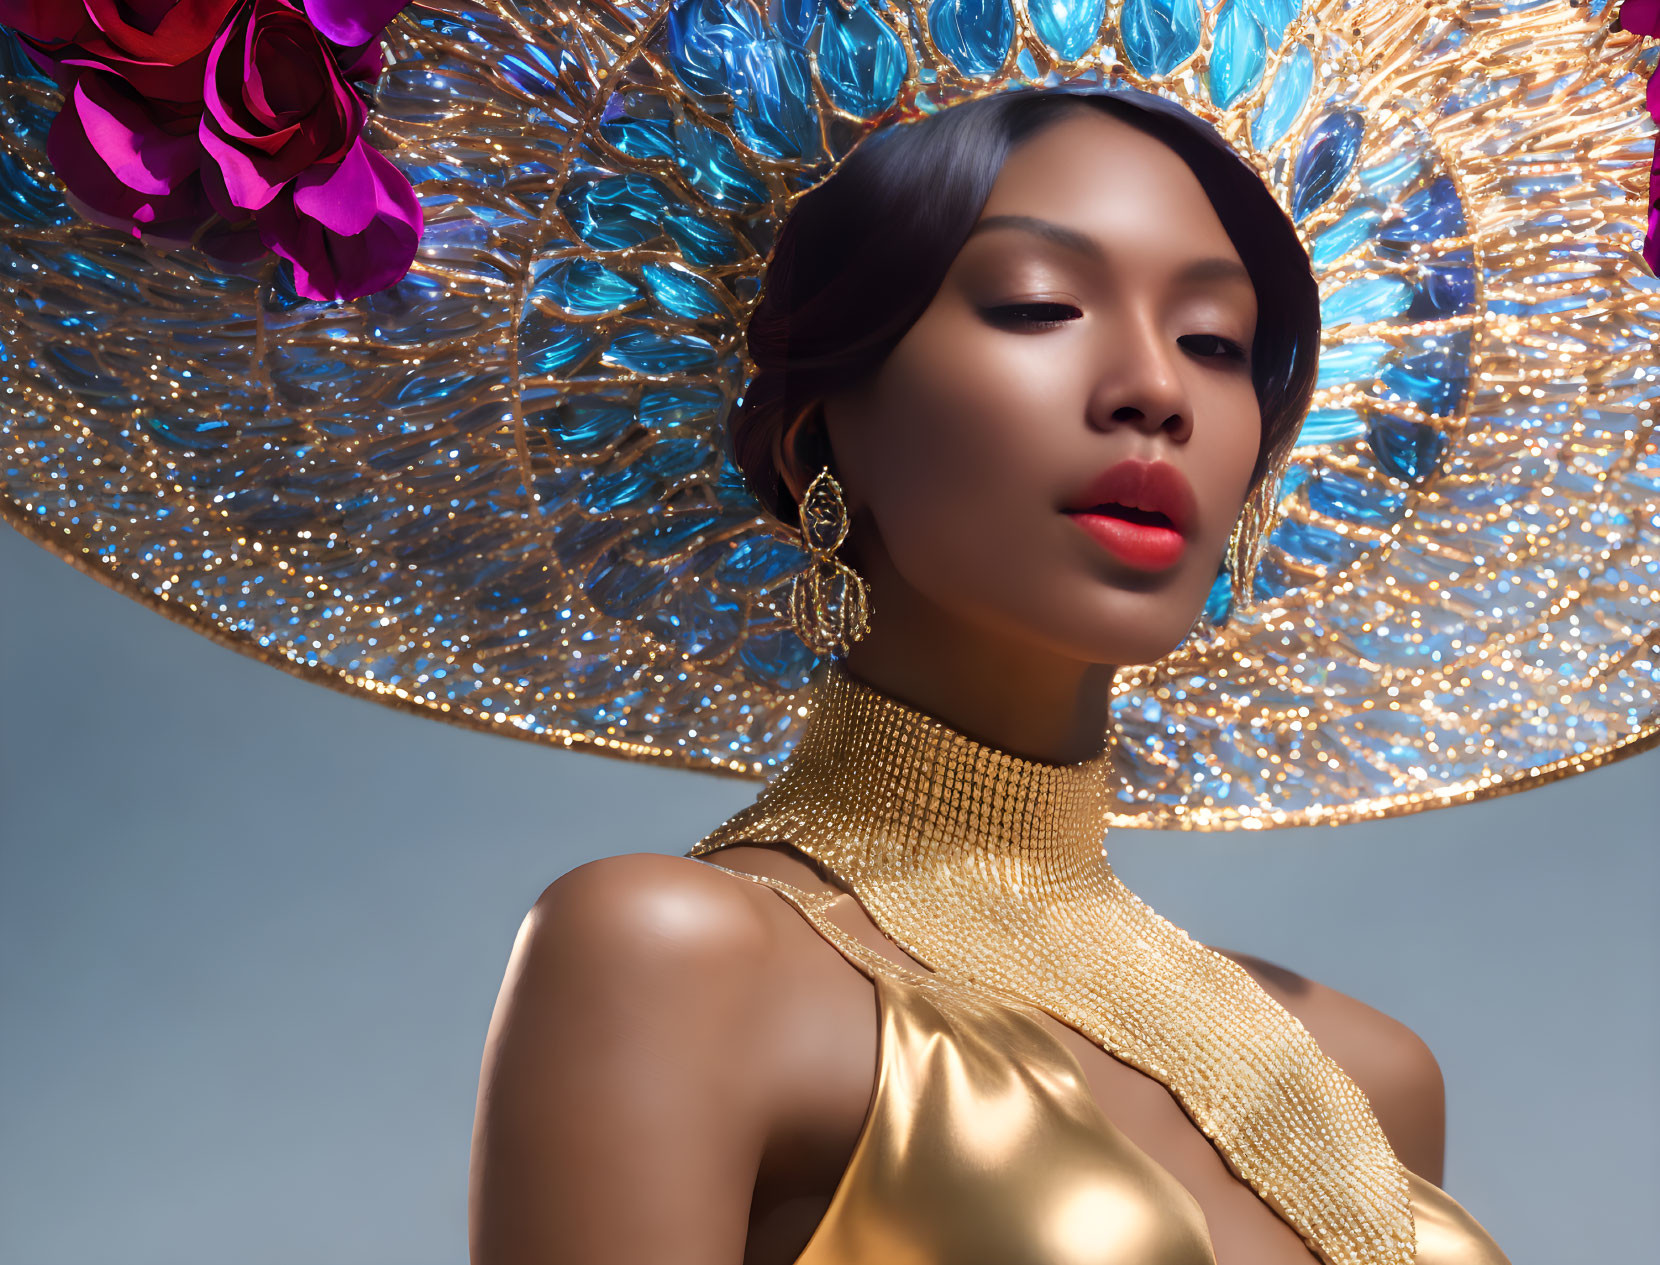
x=861 y=256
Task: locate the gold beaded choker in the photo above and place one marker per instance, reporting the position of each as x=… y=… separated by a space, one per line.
x=990 y=870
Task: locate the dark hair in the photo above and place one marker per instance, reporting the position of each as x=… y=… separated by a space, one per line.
x=861 y=256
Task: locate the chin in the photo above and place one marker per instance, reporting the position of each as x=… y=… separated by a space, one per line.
x=1138 y=651
x=1123 y=640
x=1130 y=629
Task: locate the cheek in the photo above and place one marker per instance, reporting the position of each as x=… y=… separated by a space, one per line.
x=956 y=451
x=1232 y=456
x=960 y=426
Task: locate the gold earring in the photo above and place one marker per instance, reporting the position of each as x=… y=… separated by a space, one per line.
x=829 y=602
x=1251 y=533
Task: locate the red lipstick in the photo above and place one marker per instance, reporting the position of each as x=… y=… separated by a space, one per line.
x=1140 y=511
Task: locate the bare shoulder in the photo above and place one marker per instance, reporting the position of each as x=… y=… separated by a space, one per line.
x=1391 y=1063
x=640 y=955
x=642 y=909
x=620 y=1071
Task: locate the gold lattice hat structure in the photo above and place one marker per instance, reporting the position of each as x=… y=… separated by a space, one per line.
x=497 y=492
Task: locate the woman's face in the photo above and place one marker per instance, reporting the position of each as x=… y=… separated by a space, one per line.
x=1098 y=313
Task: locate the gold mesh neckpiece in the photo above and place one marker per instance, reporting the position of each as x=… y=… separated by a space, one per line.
x=990 y=870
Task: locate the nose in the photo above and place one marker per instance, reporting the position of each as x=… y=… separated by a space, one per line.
x=1140 y=383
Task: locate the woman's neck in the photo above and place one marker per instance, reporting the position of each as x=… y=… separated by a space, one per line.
x=878 y=791
x=1003 y=693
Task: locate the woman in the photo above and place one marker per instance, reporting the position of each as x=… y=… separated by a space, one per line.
x=487 y=492
x=1087 y=340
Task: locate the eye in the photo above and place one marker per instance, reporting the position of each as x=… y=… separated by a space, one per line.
x=1219 y=348
x=1033 y=315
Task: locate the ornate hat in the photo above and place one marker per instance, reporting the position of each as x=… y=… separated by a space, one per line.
x=494 y=488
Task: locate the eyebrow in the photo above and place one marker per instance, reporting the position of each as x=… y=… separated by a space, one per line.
x=1211 y=268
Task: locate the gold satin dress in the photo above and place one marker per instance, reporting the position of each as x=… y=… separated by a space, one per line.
x=984 y=1146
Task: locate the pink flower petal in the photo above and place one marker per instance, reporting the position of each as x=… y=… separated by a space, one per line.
x=96 y=215
x=351 y=22
x=158 y=48
x=345 y=199
x=180 y=30
x=100 y=172
x=364 y=192
x=127 y=139
x=231 y=243
x=367 y=65
x=148 y=14
x=285 y=74
x=1641 y=16
x=53 y=67
x=242 y=177
x=1651 y=242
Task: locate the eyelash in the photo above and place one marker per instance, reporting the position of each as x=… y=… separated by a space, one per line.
x=1035 y=307
x=1231 y=350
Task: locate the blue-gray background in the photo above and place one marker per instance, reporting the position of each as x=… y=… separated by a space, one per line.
x=251 y=931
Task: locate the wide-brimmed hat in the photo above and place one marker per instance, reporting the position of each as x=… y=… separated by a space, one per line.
x=497 y=490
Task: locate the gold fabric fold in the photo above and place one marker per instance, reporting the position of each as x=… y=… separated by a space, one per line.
x=990 y=868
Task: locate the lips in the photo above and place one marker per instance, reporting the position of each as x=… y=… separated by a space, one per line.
x=1151 y=493
x=1140 y=511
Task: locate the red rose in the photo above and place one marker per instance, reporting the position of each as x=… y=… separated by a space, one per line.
x=45 y=21
x=160 y=47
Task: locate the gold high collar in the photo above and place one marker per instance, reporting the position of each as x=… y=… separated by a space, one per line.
x=990 y=870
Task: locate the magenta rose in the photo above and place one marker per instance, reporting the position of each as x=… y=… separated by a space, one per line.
x=276 y=102
x=281 y=126
x=160 y=47
x=1641 y=16
x=348 y=232
x=1651 y=243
